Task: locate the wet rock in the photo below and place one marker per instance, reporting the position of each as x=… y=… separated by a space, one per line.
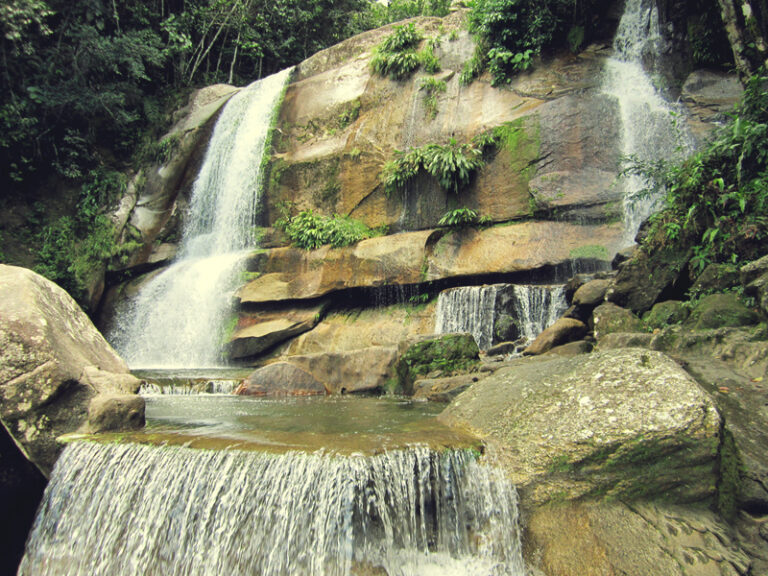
x=666 y=314
x=443 y=389
x=720 y=310
x=629 y=424
x=111 y=412
x=364 y=370
x=709 y=94
x=447 y=352
x=53 y=362
x=609 y=318
x=280 y=379
x=561 y=332
x=502 y=349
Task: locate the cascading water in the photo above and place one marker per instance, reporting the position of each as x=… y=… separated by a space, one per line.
x=178 y=318
x=537 y=307
x=468 y=309
x=648 y=129
x=131 y=509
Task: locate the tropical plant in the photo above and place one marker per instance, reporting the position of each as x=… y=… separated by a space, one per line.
x=717 y=200
x=460 y=218
x=452 y=165
x=431 y=88
x=396 y=55
x=309 y=230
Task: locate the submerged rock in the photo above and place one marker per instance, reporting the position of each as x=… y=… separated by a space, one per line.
x=53 y=362
x=624 y=423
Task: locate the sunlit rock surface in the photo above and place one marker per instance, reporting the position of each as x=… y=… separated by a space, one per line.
x=53 y=362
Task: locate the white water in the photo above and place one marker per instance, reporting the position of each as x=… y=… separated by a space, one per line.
x=537 y=307
x=468 y=309
x=178 y=318
x=211 y=387
x=647 y=124
x=133 y=510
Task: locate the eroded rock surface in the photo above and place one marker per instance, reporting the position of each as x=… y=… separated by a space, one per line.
x=625 y=423
x=53 y=362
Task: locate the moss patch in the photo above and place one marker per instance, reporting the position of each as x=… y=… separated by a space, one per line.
x=449 y=353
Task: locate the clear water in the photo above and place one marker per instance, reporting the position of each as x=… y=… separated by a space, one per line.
x=178 y=318
x=143 y=510
x=649 y=130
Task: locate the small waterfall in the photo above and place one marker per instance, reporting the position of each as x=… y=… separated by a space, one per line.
x=210 y=387
x=468 y=309
x=537 y=307
x=132 y=510
x=648 y=132
x=178 y=318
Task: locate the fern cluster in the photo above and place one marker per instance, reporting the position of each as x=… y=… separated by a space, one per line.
x=309 y=230
x=452 y=165
x=397 y=58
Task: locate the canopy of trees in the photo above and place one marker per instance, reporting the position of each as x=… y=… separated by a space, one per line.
x=81 y=80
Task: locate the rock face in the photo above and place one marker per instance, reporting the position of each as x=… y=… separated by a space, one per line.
x=443 y=353
x=280 y=379
x=53 y=363
x=640 y=539
x=625 y=423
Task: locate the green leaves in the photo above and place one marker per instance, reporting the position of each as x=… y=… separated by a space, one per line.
x=717 y=200
x=452 y=165
x=309 y=231
x=462 y=218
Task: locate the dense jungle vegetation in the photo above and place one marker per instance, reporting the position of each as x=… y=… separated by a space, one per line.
x=87 y=88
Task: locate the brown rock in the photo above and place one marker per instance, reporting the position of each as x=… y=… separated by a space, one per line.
x=363 y=370
x=443 y=389
x=591 y=294
x=111 y=412
x=572 y=348
x=280 y=379
x=563 y=331
x=53 y=362
x=259 y=331
x=415 y=257
x=626 y=340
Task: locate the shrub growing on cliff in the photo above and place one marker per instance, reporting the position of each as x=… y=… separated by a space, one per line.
x=396 y=56
x=717 y=200
x=309 y=230
x=510 y=33
x=452 y=165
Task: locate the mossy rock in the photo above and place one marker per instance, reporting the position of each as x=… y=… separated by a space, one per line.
x=609 y=318
x=448 y=353
x=716 y=278
x=666 y=314
x=720 y=310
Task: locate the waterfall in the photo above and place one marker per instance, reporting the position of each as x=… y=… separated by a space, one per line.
x=468 y=309
x=178 y=318
x=537 y=307
x=130 y=509
x=648 y=131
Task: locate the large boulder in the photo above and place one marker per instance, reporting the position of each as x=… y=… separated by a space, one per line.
x=641 y=539
x=364 y=370
x=280 y=379
x=719 y=311
x=561 y=332
x=609 y=318
x=53 y=364
x=623 y=423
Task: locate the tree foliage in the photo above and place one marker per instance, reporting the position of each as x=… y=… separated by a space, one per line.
x=511 y=33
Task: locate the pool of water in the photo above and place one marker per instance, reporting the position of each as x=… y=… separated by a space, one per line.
x=339 y=424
